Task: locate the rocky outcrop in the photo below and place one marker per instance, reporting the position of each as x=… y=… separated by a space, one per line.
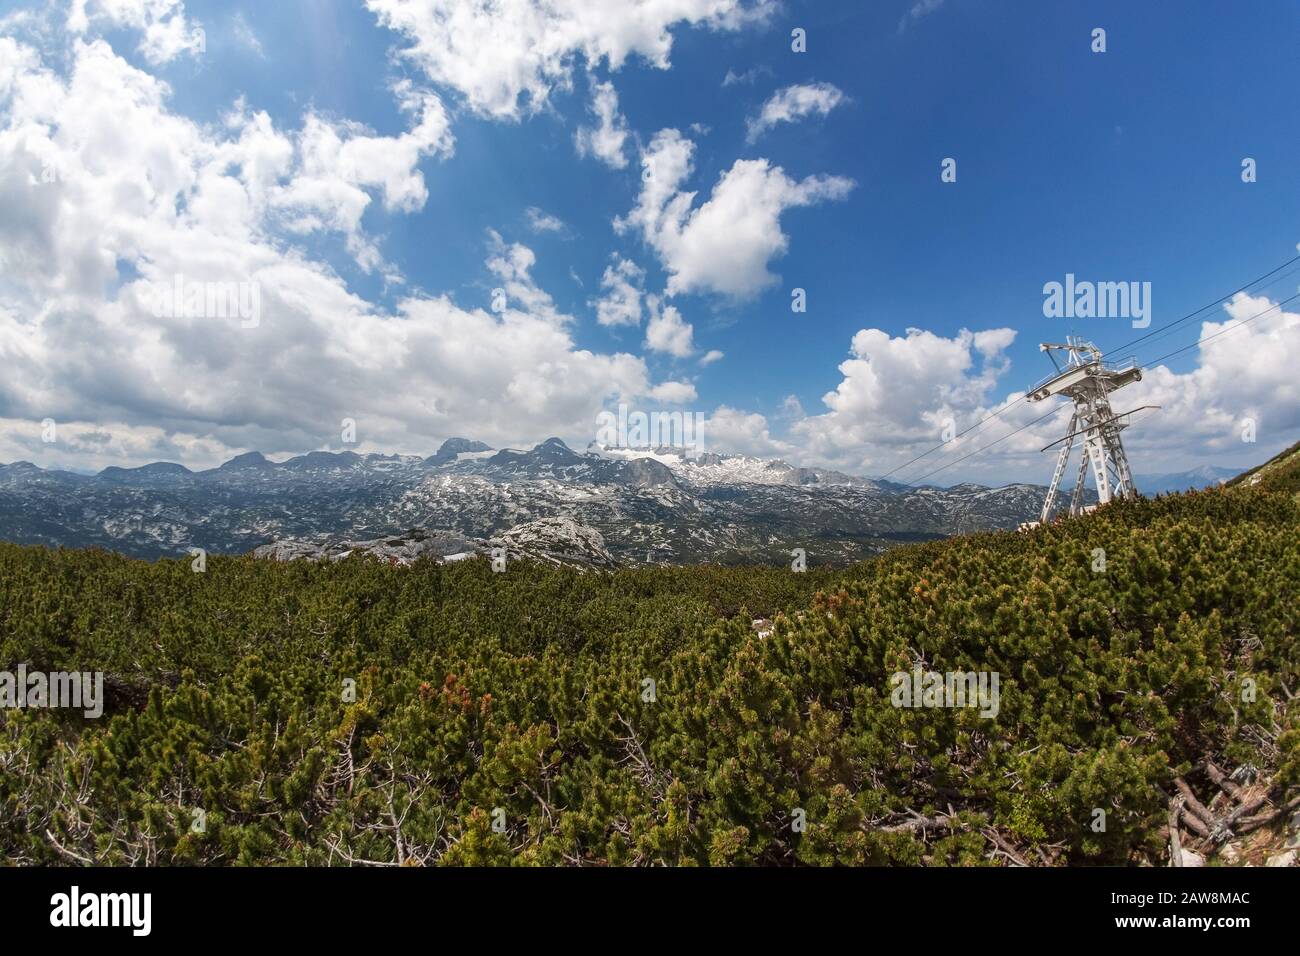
x=400 y=549
x=556 y=540
x=559 y=540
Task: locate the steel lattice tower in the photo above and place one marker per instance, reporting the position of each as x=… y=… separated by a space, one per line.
x=1088 y=382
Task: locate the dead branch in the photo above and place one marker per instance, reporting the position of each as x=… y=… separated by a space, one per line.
x=1192 y=804
x=1175 y=842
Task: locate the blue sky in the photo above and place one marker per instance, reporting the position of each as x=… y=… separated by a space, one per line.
x=1115 y=166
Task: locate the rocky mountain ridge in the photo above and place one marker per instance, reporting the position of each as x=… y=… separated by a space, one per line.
x=619 y=506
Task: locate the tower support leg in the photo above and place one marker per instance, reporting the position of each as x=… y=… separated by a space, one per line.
x=1061 y=461
x=1096 y=452
x=1076 y=499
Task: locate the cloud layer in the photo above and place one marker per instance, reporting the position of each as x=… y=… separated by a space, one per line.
x=534 y=46
x=101 y=215
x=110 y=197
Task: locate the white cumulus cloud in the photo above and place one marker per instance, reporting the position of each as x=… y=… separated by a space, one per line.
x=167 y=33
x=1244 y=371
x=605 y=140
x=794 y=103
x=725 y=244
x=746 y=433
x=674 y=393
x=341 y=163
x=622 y=287
x=897 y=394
x=667 y=331
x=507 y=56
x=540 y=221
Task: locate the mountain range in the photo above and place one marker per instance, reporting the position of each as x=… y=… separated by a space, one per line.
x=1207 y=476
x=609 y=506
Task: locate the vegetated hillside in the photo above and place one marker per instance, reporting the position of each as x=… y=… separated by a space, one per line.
x=509 y=718
x=1280 y=473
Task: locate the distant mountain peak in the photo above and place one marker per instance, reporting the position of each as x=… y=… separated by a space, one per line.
x=452 y=448
x=554 y=450
x=460 y=445
x=153 y=468
x=323 y=461
x=251 y=459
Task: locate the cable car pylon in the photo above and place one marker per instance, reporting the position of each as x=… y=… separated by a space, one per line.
x=1088 y=382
